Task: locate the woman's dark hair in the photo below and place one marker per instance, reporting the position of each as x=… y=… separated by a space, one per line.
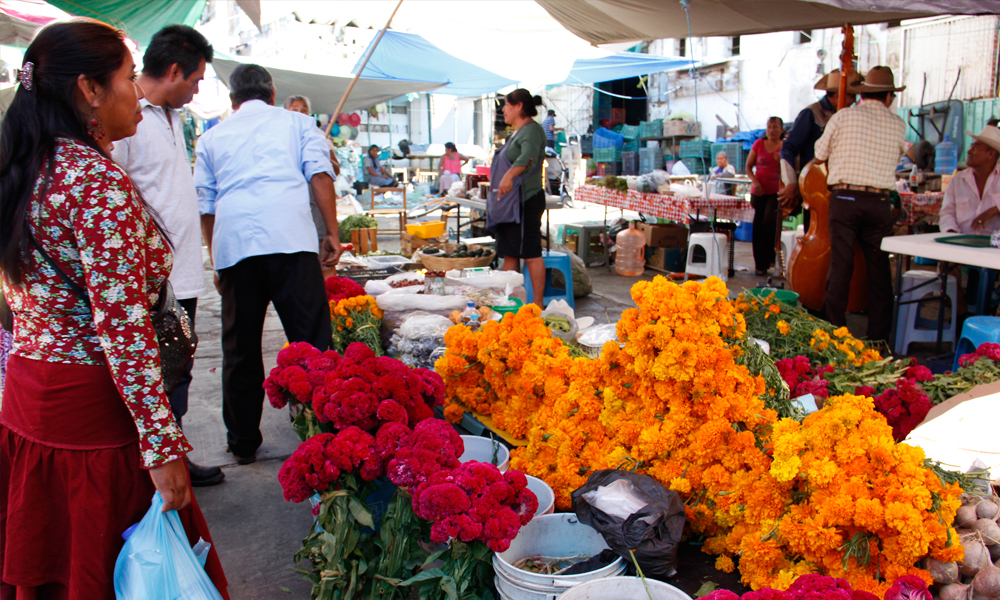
x=60 y=53
x=373 y=147
x=450 y=146
x=250 y=82
x=178 y=44
x=526 y=100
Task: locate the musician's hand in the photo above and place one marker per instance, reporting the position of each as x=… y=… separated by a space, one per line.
x=789 y=196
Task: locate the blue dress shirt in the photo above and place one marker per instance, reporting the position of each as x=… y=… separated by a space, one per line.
x=252 y=172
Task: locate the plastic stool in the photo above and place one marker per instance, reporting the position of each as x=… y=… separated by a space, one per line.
x=553 y=261
x=976 y=331
x=910 y=326
x=589 y=246
x=706 y=254
x=984 y=293
x=789 y=239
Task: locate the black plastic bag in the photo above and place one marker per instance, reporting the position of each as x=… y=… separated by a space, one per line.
x=652 y=532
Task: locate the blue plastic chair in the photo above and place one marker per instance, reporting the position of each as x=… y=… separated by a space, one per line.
x=553 y=261
x=976 y=331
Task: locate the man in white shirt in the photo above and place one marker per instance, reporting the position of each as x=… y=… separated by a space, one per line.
x=157 y=161
x=971 y=203
x=254 y=174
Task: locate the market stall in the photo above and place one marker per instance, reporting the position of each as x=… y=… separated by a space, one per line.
x=921 y=208
x=663 y=206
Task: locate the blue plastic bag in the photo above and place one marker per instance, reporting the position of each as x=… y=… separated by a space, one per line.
x=157 y=563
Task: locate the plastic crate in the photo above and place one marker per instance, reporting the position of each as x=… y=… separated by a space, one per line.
x=605 y=138
x=363 y=276
x=607 y=154
x=651 y=129
x=425 y=230
x=734 y=152
x=697 y=166
x=630 y=132
x=609 y=168
x=696 y=149
x=630 y=163
x=632 y=146
x=650 y=159
x=587 y=144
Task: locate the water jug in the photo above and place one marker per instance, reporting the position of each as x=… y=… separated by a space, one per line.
x=631 y=256
x=946 y=157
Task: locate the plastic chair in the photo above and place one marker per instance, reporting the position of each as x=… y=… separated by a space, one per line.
x=789 y=239
x=976 y=331
x=910 y=326
x=706 y=255
x=559 y=262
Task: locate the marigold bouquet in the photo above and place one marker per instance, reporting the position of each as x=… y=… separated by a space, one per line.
x=341 y=288
x=356 y=319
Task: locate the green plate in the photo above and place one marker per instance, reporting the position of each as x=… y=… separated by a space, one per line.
x=973 y=241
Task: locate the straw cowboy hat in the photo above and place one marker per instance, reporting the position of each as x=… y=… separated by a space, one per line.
x=878 y=79
x=990 y=136
x=831 y=81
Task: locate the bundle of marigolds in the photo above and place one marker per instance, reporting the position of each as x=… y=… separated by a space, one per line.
x=354 y=316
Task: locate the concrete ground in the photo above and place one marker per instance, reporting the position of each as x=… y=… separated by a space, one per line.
x=255 y=531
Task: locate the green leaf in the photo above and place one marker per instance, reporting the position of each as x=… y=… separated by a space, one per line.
x=360 y=512
x=449 y=587
x=706 y=588
x=284 y=589
x=427 y=575
x=434 y=557
x=480 y=550
x=329 y=547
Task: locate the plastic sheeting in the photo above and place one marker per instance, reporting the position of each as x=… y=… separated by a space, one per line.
x=611 y=21
x=19 y=19
x=621 y=66
x=140 y=20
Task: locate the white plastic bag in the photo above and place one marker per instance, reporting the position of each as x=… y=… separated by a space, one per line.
x=157 y=563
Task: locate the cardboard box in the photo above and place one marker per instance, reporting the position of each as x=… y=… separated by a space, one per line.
x=681 y=127
x=411 y=243
x=664 y=236
x=669 y=260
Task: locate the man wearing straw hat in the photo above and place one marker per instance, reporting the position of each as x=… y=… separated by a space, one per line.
x=798 y=147
x=972 y=201
x=862 y=145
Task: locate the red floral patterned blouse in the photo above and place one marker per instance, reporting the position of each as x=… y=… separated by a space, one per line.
x=92 y=224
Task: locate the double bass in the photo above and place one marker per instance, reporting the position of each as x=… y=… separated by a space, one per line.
x=809 y=263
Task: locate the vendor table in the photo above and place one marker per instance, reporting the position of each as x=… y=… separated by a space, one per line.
x=922 y=207
x=948 y=256
x=674 y=208
x=551 y=202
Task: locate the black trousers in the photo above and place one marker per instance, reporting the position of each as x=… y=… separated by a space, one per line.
x=865 y=218
x=179 y=397
x=294 y=283
x=764 y=229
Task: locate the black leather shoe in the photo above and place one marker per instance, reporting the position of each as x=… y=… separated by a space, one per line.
x=205 y=476
x=242 y=460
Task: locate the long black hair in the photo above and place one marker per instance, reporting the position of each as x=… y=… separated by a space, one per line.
x=60 y=53
x=526 y=100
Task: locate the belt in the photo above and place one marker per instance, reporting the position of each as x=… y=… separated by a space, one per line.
x=859 y=188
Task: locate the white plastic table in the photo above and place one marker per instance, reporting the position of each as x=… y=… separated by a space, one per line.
x=925 y=245
x=551 y=203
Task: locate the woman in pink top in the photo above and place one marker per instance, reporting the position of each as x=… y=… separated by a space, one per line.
x=451 y=167
x=764 y=170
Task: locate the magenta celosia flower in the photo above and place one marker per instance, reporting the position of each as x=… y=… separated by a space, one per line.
x=722 y=595
x=766 y=594
x=819 y=587
x=989 y=350
x=862 y=595
x=919 y=373
x=340 y=288
x=908 y=587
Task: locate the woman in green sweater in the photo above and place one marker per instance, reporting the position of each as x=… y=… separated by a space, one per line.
x=521 y=237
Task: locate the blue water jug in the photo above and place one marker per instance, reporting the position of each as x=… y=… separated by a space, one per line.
x=946 y=157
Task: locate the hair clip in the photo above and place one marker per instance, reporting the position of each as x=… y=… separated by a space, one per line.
x=24 y=75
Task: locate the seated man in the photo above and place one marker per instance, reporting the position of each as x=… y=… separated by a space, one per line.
x=376 y=174
x=722 y=169
x=971 y=204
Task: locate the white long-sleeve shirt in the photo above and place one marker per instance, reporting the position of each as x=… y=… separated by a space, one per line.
x=962 y=202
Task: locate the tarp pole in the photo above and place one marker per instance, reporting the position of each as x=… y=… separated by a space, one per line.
x=347 y=92
x=846 y=65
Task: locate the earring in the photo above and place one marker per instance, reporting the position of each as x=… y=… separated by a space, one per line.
x=94 y=127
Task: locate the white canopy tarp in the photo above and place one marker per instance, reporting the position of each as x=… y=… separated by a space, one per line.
x=612 y=21
x=19 y=19
x=325 y=90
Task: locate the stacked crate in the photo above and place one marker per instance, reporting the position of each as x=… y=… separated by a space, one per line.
x=608 y=151
x=631 y=161
x=650 y=159
x=651 y=129
x=734 y=152
x=697 y=156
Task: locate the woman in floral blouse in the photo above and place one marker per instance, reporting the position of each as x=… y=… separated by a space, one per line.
x=84 y=415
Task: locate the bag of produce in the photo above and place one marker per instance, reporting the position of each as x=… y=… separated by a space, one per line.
x=634 y=512
x=417 y=337
x=583 y=285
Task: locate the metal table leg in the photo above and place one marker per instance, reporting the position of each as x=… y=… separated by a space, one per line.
x=895 y=302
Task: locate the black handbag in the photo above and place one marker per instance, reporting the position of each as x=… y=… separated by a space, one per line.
x=175 y=334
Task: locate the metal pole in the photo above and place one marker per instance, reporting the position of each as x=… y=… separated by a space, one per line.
x=368 y=54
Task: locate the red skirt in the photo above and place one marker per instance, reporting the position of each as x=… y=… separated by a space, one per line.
x=71 y=482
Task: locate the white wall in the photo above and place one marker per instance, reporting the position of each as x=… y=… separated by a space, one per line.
x=574 y=106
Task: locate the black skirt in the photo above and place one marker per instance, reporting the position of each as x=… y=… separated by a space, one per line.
x=524 y=239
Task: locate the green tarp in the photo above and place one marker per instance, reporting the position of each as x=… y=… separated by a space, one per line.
x=140 y=20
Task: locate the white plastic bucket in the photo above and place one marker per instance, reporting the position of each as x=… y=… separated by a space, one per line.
x=549 y=535
x=546 y=497
x=624 y=588
x=481 y=449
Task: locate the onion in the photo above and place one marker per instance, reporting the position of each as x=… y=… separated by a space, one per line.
x=965 y=516
x=994 y=552
x=987 y=581
x=942 y=572
x=989 y=530
x=976 y=556
x=988 y=509
x=955 y=591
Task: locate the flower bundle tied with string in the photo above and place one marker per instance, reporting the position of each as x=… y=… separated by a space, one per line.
x=354 y=316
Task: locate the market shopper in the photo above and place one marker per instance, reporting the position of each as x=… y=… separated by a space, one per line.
x=302 y=104
x=861 y=145
x=86 y=433
x=764 y=172
x=799 y=145
x=377 y=174
x=450 y=171
x=971 y=203
x=549 y=124
x=254 y=173
x=722 y=168
x=156 y=160
x=517 y=196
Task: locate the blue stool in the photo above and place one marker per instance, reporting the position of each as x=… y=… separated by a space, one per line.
x=976 y=331
x=557 y=261
x=984 y=293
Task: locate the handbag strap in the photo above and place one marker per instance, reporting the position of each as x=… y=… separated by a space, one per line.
x=62 y=274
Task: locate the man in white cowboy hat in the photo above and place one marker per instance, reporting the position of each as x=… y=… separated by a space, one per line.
x=972 y=201
x=798 y=147
x=862 y=145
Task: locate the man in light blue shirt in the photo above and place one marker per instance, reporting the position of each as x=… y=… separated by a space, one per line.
x=254 y=172
x=549 y=125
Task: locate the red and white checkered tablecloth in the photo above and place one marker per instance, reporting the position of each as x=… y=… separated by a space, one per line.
x=922 y=207
x=674 y=208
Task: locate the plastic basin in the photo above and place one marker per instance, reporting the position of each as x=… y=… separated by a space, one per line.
x=426 y=230
x=480 y=449
x=624 y=588
x=508 y=309
x=546 y=497
x=786 y=296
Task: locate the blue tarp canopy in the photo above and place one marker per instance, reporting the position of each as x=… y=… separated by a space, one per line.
x=621 y=66
x=410 y=57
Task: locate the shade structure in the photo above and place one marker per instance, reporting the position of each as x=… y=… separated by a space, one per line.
x=325 y=90
x=610 y=21
x=19 y=19
x=140 y=20
x=621 y=66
